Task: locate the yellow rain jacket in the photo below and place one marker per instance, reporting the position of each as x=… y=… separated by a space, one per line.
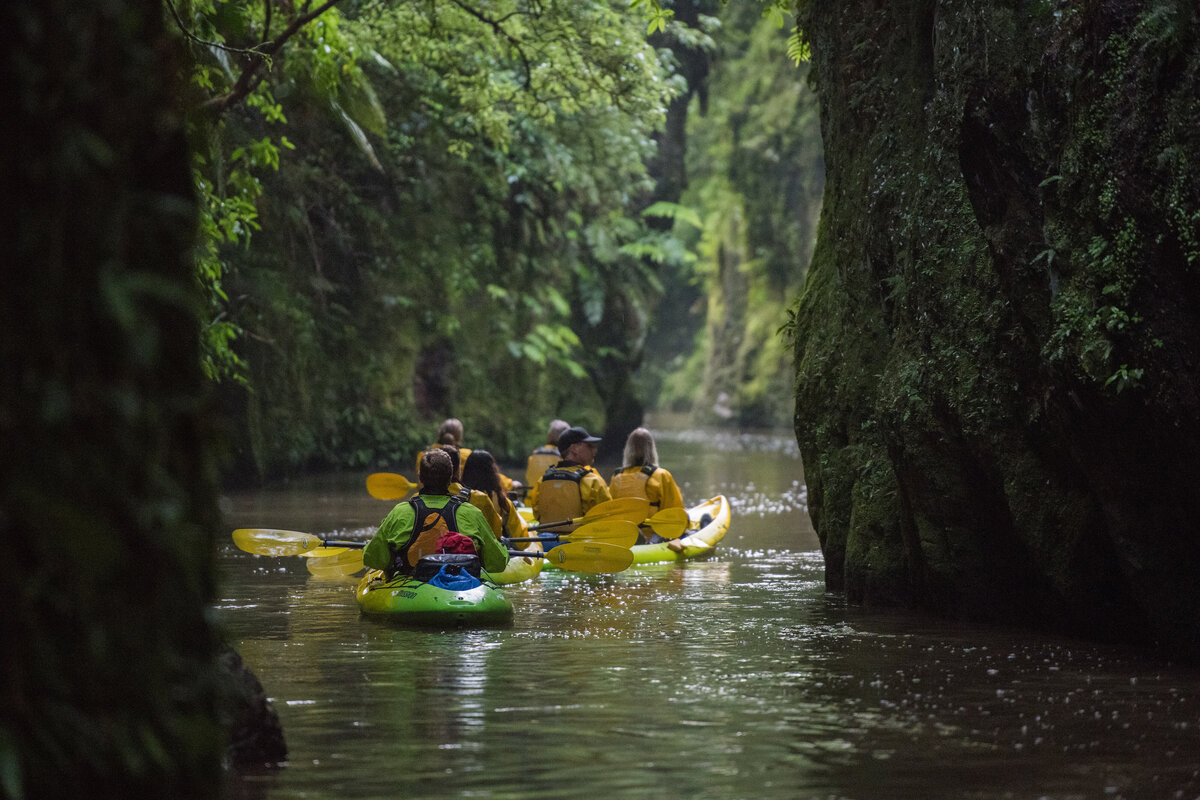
x=651 y=482
x=540 y=460
x=567 y=490
x=514 y=524
x=485 y=506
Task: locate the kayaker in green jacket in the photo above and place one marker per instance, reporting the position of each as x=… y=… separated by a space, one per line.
x=399 y=543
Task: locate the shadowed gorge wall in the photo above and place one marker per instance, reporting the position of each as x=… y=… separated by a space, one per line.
x=107 y=486
x=997 y=346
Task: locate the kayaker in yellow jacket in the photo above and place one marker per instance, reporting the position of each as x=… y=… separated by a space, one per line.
x=451 y=432
x=545 y=456
x=402 y=539
x=572 y=486
x=640 y=476
x=482 y=474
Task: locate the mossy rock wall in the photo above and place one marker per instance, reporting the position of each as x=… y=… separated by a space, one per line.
x=998 y=343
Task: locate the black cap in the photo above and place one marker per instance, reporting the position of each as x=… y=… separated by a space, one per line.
x=573 y=435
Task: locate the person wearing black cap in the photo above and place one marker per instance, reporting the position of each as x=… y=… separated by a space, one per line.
x=572 y=486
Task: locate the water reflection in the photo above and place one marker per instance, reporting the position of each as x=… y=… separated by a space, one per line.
x=731 y=677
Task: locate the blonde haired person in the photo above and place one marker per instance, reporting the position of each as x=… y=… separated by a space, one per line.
x=641 y=476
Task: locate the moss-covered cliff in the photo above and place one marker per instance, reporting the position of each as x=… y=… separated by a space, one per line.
x=997 y=347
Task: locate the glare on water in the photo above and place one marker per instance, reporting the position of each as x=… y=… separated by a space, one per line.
x=736 y=676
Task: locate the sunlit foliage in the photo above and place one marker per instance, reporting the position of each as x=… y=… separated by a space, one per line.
x=413 y=212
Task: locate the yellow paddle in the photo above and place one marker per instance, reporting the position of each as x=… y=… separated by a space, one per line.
x=633 y=509
x=593 y=557
x=388 y=486
x=620 y=532
x=575 y=556
x=324 y=552
x=345 y=563
x=275 y=542
x=596 y=557
x=670 y=523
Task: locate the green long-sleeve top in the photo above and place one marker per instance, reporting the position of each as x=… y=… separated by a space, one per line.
x=397 y=527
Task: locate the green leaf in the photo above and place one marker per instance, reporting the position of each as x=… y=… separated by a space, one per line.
x=674 y=211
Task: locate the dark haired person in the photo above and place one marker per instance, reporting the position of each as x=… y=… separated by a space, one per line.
x=482 y=474
x=414 y=528
x=474 y=496
x=451 y=433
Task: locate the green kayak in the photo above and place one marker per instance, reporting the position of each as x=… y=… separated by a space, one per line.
x=440 y=593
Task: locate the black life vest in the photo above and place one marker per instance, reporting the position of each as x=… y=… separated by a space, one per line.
x=429 y=526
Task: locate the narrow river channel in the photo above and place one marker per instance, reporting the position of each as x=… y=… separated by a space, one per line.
x=733 y=677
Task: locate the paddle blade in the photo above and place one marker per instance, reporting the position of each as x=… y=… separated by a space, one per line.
x=633 y=509
x=620 y=532
x=670 y=523
x=324 y=552
x=341 y=565
x=272 y=542
x=595 y=557
x=388 y=486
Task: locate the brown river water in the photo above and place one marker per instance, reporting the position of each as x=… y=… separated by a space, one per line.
x=737 y=676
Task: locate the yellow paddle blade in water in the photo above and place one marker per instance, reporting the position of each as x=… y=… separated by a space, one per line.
x=274 y=542
x=345 y=563
x=388 y=486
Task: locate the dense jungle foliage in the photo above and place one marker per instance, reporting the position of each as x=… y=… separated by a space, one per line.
x=756 y=176
x=476 y=210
